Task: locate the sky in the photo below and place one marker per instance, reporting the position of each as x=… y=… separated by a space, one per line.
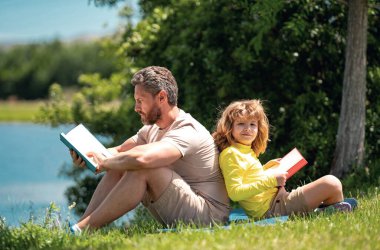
x=26 y=21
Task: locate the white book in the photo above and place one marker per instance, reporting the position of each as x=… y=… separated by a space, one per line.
x=82 y=142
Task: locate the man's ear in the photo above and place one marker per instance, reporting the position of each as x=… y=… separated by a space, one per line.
x=162 y=96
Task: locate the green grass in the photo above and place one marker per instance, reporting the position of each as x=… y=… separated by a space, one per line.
x=357 y=230
x=19 y=111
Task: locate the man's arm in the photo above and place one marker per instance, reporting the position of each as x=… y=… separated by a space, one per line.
x=152 y=155
x=125 y=146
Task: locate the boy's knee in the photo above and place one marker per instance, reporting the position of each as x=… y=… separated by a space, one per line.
x=333 y=182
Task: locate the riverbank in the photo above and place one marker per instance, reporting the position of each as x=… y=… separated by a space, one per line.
x=19 y=111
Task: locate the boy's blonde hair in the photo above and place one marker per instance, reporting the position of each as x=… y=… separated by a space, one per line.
x=244 y=109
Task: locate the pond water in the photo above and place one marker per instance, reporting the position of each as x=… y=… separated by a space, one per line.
x=31 y=156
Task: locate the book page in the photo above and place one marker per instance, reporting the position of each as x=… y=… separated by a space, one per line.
x=86 y=142
x=289 y=160
x=291 y=163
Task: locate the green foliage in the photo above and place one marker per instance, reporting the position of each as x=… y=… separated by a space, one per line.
x=49 y=215
x=56 y=111
x=372 y=116
x=27 y=71
x=369 y=177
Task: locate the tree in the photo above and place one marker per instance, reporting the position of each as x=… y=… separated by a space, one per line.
x=349 y=149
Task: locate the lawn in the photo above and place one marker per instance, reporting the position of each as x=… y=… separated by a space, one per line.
x=357 y=230
x=19 y=111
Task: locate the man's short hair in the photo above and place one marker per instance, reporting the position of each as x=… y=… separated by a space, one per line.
x=154 y=79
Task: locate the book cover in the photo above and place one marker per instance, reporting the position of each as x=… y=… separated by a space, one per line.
x=292 y=162
x=82 y=141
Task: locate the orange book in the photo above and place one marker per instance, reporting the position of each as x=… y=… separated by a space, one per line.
x=291 y=163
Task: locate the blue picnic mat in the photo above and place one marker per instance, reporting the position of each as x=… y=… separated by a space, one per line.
x=236 y=217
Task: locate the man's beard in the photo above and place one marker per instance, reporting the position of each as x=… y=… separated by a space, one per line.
x=152 y=116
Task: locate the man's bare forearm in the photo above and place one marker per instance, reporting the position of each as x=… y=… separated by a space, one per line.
x=146 y=156
x=123 y=161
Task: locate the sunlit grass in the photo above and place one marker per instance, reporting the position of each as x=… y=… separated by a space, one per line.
x=19 y=111
x=357 y=230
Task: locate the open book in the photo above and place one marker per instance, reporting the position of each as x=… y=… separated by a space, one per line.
x=291 y=163
x=82 y=141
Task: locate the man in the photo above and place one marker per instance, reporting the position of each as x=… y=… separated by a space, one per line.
x=170 y=165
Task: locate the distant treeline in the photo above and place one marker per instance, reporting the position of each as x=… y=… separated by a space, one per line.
x=27 y=71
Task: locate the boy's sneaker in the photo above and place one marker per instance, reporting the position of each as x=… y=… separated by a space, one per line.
x=353 y=202
x=337 y=207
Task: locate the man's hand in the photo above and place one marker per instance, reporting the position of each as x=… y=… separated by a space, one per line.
x=99 y=160
x=77 y=160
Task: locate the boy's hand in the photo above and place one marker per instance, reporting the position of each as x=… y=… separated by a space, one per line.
x=280 y=177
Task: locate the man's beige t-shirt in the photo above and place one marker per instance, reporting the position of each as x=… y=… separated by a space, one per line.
x=199 y=165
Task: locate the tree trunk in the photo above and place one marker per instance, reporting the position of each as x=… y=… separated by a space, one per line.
x=349 y=150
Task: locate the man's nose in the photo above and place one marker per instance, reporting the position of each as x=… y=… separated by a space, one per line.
x=137 y=107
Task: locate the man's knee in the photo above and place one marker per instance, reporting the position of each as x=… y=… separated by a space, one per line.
x=149 y=172
x=116 y=174
x=152 y=174
x=156 y=179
